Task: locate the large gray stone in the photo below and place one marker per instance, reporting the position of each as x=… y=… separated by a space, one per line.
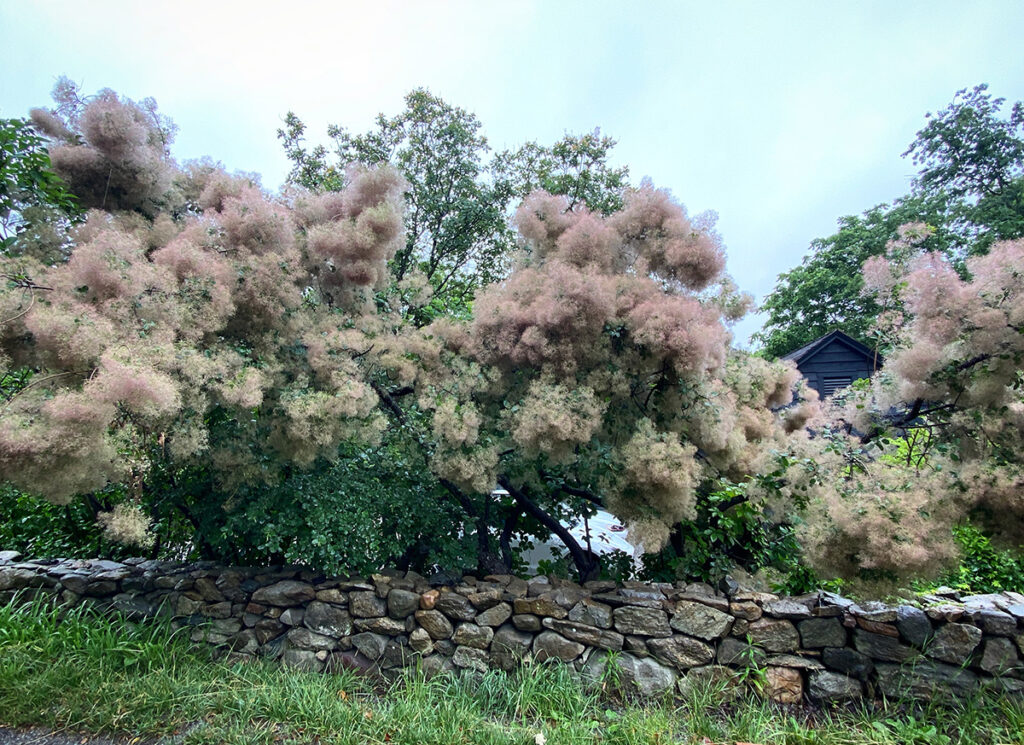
x=926 y=680
x=471 y=635
x=434 y=623
x=995 y=622
x=588 y=635
x=285 y=593
x=826 y=686
x=882 y=647
x=913 y=625
x=370 y=645
x=954 y=643
x=402 y=603
x=549 y=645
x=509 y=646
x=848 y=662
x=682 y=652
x=470 y=658
x=640 y=620
x=774 y=635
x=366 y=604
x=420 y=641
x=816 y=633
x=739 y=654
x=457 y=607
x=592 y=613
x=495 y=615
x=1000 y=657
x=324 y=618
x=644 y=676
x=699 y=620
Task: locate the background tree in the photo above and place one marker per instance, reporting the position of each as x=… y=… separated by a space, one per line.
x=32 y=197
x=459 y=197
x=970 y=190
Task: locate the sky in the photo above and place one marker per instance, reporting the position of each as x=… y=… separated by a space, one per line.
x=781 y=117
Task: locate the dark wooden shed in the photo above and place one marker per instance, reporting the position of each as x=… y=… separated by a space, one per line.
x=833 y=361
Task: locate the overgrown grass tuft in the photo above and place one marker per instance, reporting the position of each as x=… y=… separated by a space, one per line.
x=76 y=670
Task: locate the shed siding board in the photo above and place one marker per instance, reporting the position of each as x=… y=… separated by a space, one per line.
x=835 y=360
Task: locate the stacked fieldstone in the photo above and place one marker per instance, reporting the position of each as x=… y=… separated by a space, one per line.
x=663 y=637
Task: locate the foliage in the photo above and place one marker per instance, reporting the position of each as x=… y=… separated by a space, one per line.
x=30 y=192
x=37 y=528
x=458 y=195
x=936 y=437
x=79 y=671
x=206 y=346
x=826 y=291
x=969 y=191
x=982 y=567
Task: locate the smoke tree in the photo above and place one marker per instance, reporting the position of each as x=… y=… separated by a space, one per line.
x=204 y=344
x=936 y=439
x=600 y=373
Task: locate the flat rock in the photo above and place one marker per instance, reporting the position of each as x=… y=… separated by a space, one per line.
x=681 y=652
x=434 y=623
x=774 y=635
x=542 y=605
x=591 y=636
x=285 y=593
x=366 y=604
x=383 y=625
x=495 y=616
x=880 y=647
x=641 y=620
x=786 y=608
x=699 y=620
x=816 y=633
x=826 y=686
x=305 y=639
x=954 y=643
x=926 y=680
x=549 y=645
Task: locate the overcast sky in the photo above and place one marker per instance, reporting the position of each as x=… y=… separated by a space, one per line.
x=781 y=117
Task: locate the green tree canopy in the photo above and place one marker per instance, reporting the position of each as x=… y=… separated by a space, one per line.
x=970 y=190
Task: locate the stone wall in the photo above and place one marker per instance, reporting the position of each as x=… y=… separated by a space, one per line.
x=664 y=637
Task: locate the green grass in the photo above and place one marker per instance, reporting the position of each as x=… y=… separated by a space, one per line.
x=77 y=671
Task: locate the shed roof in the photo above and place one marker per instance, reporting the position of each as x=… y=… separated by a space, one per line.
x=807 y=351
